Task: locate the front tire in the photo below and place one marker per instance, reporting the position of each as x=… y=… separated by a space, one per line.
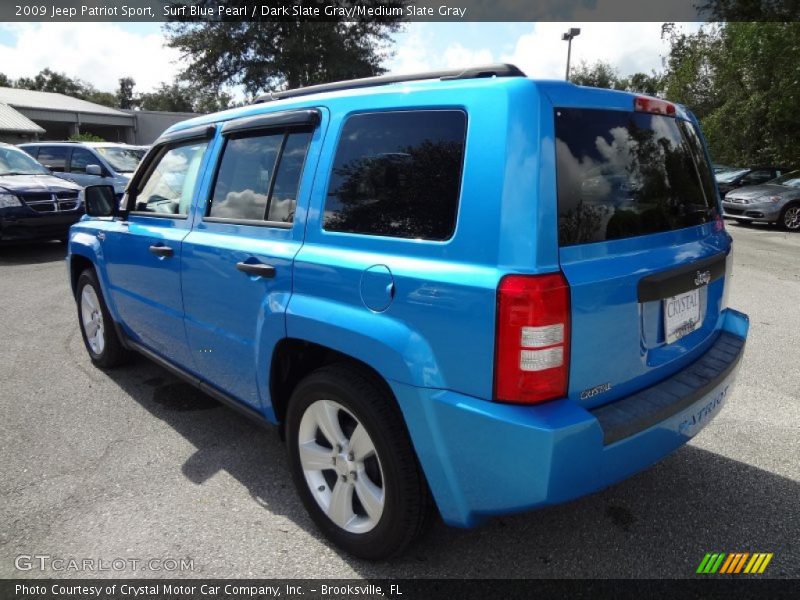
x=353 y=464
x=97 y=328
x=790 y=217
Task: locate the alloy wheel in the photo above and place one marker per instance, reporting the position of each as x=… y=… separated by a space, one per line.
x=92 y=320
x=341 y=466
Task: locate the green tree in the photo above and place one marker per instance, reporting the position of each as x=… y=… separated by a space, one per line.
x=5 y=81
x=263 y=56
x=743 y=81
x=599 y=74
x=176 y=97
x=125 y=97
x=59 y=83
x=86 y=137
x=52 y=81
x=167 y=97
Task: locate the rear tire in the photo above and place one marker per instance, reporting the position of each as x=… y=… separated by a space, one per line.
x=790 y=218
x=97 y=327
x=357 y=474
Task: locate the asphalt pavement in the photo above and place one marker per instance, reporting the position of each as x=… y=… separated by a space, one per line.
x=133 y=465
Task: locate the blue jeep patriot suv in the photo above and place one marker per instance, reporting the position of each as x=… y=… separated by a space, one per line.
x=463 y=290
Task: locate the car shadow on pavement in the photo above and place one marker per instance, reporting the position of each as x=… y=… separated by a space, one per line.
x=32 y=253
x=659 y=523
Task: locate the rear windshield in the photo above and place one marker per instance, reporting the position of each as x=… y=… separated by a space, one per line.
x=624 y=174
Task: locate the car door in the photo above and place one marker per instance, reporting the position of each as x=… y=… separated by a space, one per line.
x=79 y=160
x=237 y=260
x=54 y=158
x=143 y=252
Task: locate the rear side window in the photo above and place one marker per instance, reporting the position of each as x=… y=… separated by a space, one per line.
x=258 y=177
x=625 y=174
x=398 y=174
x=54 y=157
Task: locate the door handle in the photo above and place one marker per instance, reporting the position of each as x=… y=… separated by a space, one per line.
x=162 y=250
x=258 y=269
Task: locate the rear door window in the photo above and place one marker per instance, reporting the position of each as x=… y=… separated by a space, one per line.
x=54 y=157
x=258 y=177
x=398 y=174
x=624 y=174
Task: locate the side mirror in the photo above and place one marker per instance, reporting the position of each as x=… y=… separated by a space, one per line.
x=100 y=200
x=94 y=170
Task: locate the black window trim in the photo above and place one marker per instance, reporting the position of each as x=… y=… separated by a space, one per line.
x=410 y=109
x=275 y=120
x=257 y=126
x=161 y=146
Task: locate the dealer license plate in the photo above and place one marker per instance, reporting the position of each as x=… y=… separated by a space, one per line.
x=681 y=315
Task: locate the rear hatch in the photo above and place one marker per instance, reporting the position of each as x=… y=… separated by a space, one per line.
x=641 y=242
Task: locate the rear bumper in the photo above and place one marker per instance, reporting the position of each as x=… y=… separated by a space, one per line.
x=483 y=458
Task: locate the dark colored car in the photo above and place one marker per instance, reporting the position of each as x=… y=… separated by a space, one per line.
x=34 y=205
x=736 y=178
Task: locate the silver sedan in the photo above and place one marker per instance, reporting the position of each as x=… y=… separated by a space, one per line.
x=777 y=201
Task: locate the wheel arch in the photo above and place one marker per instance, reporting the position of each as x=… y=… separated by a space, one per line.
x=294 y=358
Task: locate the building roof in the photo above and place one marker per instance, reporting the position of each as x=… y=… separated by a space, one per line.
x=50 y=101
x=11 y=120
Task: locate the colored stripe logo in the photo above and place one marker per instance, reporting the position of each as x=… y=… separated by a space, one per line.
x=734 y=563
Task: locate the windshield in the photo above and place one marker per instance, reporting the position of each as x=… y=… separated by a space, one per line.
x=17 y=162
x=123 y=160
x=790 y=179
x=728 y=176
x=626 y=174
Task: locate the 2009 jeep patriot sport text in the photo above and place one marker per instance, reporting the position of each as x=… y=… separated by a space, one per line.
x=470 y=290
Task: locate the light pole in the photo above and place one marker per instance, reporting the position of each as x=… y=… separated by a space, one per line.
x=573 y=32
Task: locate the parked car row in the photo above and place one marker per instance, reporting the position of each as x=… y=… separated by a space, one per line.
x=765 y=194
x=40 y=200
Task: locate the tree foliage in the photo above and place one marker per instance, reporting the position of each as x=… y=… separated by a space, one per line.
x=125 y=92
x=177 y=97
x=604 y=75
x=264 y=56
x=742 y=80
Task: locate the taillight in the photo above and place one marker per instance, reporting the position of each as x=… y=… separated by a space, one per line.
x=532 y=353
x=653 y=105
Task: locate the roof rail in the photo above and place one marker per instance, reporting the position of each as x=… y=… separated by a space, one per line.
x=496 y=70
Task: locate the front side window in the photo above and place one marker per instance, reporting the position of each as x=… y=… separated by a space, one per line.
x=258 y=177
x=624 y=174
x=398 y=174
x=80 y=159
x=169 y=186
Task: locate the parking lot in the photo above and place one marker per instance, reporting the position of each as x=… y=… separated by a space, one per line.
x=133 y=464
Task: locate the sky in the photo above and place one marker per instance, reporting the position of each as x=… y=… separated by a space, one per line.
x=101 y=53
